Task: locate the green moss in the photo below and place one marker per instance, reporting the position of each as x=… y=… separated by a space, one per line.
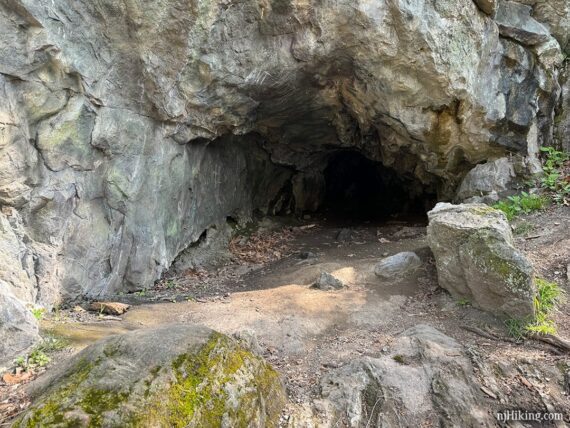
x=198 y=396
x=483 y=210
x=220 y=382
x=52 y=411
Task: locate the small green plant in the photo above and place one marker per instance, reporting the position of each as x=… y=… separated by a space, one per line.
x=38 y=313
x=399 y=359
x=549 y=295
x=141 y=293
x=554 y=178
x=463 y=302
x=516 y=328
x=37 y=358
x=524 y=203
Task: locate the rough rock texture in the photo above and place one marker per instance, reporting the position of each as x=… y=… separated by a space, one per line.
x=397 y=266
x=476 y=260
x=18 y=327
x=488 y=179
x=127 y=129
x=426 y=380
x=515 y=22
x=327 y=281
x=555 y=15
x=487 y=6
x=173 y=376
x=562 y=120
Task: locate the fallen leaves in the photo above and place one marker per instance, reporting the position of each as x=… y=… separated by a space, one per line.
x=261 y=247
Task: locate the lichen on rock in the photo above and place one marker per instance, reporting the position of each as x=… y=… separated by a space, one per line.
x=477 y=261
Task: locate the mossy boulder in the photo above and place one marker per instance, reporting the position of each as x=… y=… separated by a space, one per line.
x=173 y=376
x=477 y=261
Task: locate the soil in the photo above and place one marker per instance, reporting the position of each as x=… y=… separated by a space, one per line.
x=305 y=332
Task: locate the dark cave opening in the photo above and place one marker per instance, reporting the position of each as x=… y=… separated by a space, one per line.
x=360 y=189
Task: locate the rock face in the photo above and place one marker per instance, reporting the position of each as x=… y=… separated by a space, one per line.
x=173 y=376
x=18 y=327
x=397 y=266
x=476 y=260
x=426 y=379
x=129 y=129
x=487 y=180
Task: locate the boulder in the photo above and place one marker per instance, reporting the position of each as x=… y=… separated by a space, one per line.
x=426 y=380
x=476 y=259
x=327 y=281
x=18 y=327
x=515 y=21
x=397 y=266
x=177 y=375
x=487 y=179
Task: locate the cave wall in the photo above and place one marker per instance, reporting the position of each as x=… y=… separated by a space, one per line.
x=107 y=108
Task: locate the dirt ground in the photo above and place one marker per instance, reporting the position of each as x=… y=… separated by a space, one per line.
x=305 y=332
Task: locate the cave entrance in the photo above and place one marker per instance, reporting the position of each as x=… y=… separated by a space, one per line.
x=358 y=189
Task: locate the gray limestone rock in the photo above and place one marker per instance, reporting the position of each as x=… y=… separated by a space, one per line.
x=127 y=130
x=491 y=177
x=18 y=327
x=476 y=259
x=327 y=281
x=398 y=266
x=514 y=21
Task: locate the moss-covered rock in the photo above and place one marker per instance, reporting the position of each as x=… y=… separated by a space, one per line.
x=174 y=376
x=477 y=261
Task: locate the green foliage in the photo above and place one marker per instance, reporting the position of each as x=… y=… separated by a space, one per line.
x=516 y=328
x=548 y=297
x=524 y=203
x=38 y=313
x=463 y=302
x=554 y=178
x=399 y=359
x=39 y=356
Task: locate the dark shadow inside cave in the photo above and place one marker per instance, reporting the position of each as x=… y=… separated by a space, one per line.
x=358 y=188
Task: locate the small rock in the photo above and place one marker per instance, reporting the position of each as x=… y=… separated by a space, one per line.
x=398 y=265
x=110 y=308
x=344 y=235
x=307 y=217
x=307 y=255
x=326 y=281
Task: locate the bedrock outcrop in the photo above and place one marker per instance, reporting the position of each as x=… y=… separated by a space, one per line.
x=178 y=375
x=130 y=130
